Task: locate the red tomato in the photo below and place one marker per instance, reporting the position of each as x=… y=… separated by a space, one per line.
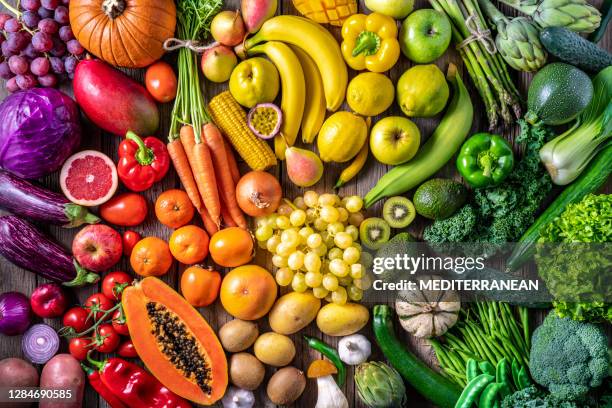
x=127 y=210
x=130 y=238
x=161 y=82
x=114 y=283
x=78 y=318
x=119 y=323
x=98 y=303
x=127 y=349
x=107 y=339
x=78 y=347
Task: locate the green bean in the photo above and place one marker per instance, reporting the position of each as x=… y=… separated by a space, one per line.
x=489 y=395
x=524 y=316
x=472 y=370
x=473 y=390
x=487 y=368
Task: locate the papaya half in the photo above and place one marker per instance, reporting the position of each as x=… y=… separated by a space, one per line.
x=175 y=342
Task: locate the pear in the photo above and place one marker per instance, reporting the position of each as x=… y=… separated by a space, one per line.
x=303 y=166
x=257 y=12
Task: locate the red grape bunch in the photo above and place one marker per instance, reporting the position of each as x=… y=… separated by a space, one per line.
x=37 y=44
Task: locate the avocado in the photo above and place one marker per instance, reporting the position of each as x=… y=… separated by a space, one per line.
x=439 y=198
x=402 y=243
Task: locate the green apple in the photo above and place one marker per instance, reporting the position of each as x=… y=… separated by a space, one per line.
x=425 y=35
x=397 y=9
x=394 y=140
x=254 y=81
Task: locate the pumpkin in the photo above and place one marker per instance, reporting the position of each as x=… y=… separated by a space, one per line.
x=427 y=313
x=125 y=33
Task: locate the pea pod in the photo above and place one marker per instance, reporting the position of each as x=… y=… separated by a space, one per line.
x=472 y=370
x=502 y=377
x=331 y=353
x=515 y=373
x=487 y=368
x=523 y=378
x=489 y=396
x=472 y=391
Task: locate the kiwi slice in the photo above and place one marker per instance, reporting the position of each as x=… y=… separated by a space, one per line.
x=399 y=212
x=374 y=232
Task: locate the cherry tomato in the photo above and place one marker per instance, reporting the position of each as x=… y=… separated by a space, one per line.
x=127 y=210
x=78 y=318
x=130 y=239
x=78 y=347
x=98 y=303
x=107 y=339
x=119 y=323
x=127 y=349
x=114 y=283
x=161 y=82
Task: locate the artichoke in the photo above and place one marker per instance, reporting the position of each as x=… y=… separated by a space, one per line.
x=518 y=40
x=575 y=15
x=379 y=385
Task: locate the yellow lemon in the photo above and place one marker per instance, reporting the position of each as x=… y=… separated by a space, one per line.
x=341 y=137
x=370 y=94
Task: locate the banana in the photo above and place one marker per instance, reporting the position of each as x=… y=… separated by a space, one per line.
x=318 y=43
x=314 y=112
x=293 y=88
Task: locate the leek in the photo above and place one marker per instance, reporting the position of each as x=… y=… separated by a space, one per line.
x=566 y=156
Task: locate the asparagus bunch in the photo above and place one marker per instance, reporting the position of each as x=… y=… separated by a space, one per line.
x=484 y=64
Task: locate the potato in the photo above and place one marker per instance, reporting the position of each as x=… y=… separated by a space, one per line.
x=293 y=311
x=286 y=386
x=17 y=373
x=63 y=371
x=238 y=335
x=274 y=349
x=342 y=320
x=246 y=371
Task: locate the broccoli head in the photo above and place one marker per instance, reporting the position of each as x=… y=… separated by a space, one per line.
x=568 y=357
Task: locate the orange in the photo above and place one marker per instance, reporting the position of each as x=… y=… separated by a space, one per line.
x=189 y=244
x=200 y=286
x=231 y=247
x=151 y=257
x=248 y=292
x=173 y=208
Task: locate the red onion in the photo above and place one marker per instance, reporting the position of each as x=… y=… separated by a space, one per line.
x=14 y=313
x=40 y=343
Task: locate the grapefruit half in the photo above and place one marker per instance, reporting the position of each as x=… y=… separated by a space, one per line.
x=89 y=178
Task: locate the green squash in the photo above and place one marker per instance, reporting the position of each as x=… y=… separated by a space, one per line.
x=557 y=94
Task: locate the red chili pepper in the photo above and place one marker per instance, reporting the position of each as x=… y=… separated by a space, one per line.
x=135 y=387
x=96 y=383
x=142 y=162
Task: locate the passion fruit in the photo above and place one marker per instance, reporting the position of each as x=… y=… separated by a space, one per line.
x=265 y=120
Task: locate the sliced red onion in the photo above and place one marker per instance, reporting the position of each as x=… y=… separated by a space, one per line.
x=40 y=343
x=14 y=313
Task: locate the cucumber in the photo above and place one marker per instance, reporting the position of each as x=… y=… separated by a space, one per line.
x=557 y=94
x=431 y=385
x=606 y=16
x=570 y=47
x=591 y=180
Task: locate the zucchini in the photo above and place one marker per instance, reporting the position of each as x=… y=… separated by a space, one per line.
x=557 y=94
x=592 y=179
x=430 y=384
x=570 y=47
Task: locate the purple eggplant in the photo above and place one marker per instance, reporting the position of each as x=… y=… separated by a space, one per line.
x=27 y=247
x=25 y=199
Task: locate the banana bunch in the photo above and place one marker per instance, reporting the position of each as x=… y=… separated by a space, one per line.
x=304 y=53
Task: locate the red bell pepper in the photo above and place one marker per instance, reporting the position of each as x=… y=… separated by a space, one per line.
x=142 y=162
x=134 y=386
x=96 y=383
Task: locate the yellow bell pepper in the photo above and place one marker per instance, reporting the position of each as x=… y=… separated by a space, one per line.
x=370 y=42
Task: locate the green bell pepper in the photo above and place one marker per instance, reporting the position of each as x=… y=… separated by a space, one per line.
x=485 y=160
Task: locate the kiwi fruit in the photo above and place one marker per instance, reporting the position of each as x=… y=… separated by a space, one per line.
x=374 y=232
x=246 y=371
x=399 y=212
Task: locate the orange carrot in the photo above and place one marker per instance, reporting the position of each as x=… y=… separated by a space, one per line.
x=203 y=172
x=181 y=165
x=228 y=221
x=231 y=160
x=227 y=188
x=209 y=224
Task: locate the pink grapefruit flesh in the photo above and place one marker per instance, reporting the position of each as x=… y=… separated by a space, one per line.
x=89 y=178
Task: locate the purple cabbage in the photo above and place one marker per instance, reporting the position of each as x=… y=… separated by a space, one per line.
x=39 y=130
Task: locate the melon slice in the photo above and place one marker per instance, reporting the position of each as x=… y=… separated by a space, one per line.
x=89 y=178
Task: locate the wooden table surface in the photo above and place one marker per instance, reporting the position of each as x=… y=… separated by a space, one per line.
x=13 y=278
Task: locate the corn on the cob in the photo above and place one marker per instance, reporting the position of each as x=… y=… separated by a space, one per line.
x=231 y=118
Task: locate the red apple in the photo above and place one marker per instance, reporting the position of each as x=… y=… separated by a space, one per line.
x=97 y=247
x=49 y=300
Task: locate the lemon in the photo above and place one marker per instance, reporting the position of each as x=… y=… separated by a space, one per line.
x=341 y=137
x=422 y=91
x=370 y=94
